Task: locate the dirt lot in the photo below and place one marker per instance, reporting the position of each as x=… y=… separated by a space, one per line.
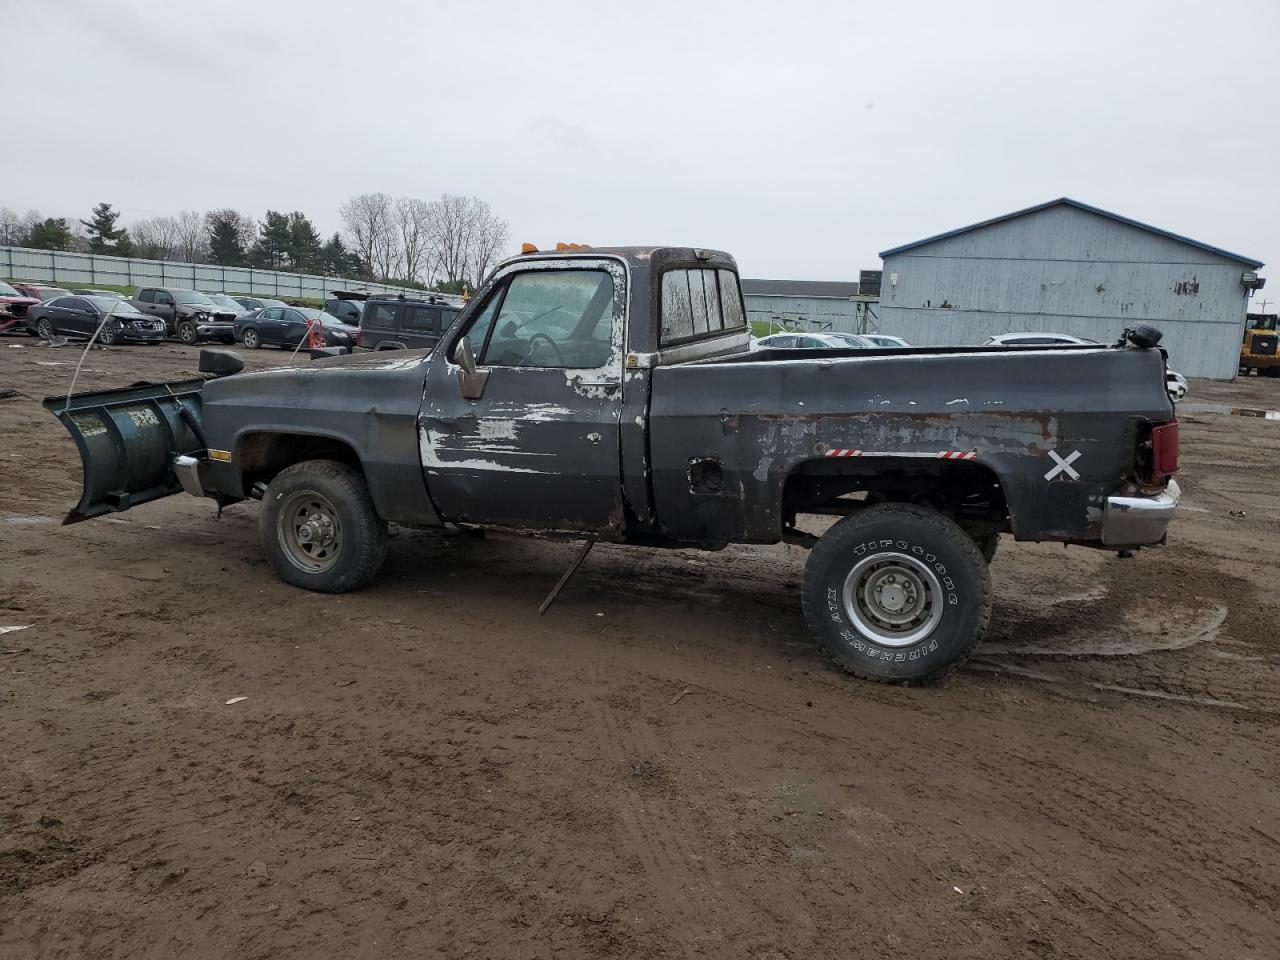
x=427 y=768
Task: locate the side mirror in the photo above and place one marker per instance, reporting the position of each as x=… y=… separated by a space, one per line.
x=472 y=379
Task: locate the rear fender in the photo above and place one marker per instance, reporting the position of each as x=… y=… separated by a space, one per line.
x=128 y=439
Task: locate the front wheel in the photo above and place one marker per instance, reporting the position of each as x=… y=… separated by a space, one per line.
x=898 y=592
x=188 y=333
x=110 y=336
x=319 y=527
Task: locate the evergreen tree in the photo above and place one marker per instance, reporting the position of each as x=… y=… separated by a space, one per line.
x=304 y=243
x=338 y=261
x=52 y=234
x=274 y=239
x=104 y=236
x=224 y=244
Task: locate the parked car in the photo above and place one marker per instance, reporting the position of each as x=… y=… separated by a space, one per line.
x=811 y=341
x=230 y=303
x=884 y=340
x=346 y=305
x=188 y=314
x=40 y=291
x=400 y=323
x=1175 y=383
x=576 y=396
x=258 y=303
x=1036 y=340
x=109 y=294
x=287 y=327
x=73 y=316
x=14 y=307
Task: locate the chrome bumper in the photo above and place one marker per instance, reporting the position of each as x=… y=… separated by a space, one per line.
x=1139 y=521
x=188 y=471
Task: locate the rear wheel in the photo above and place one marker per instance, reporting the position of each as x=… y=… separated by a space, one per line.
x=251 y=339
x=319 y=527
x=187 y=332
x=898 y=592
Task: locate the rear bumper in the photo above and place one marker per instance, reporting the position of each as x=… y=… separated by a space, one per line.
x=1139 y=521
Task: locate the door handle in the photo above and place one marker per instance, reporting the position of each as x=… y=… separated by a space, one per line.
x=610 y=386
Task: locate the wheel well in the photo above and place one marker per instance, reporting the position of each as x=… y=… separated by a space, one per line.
x=262 y=455
x=968 y=492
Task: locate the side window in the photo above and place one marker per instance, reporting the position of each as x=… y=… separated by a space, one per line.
x=147 y=296
x=163 y=297
x=478 y=332
x=553 y=318
x=783 y=343
x=74 y=303
x=418 y=320
x=271 y=313
x=447 y=317
x=293 y=316
x=380 y=316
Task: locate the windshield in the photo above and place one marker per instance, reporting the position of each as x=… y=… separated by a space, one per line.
x=117 y=308
x=48 y=293
x=849 y=339
x=192 y=297
x=225 y=301
x=8 y=291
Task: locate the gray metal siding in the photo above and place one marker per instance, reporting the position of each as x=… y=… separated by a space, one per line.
x=838 y=315
x=1065 y=270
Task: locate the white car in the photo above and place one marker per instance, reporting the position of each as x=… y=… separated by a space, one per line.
x=884 y=340
x=1174 y=382
x=812 y=341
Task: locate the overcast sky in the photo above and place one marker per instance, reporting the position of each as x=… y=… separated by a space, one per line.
x=804 y=137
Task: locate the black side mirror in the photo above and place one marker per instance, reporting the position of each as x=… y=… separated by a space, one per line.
x=221 y=363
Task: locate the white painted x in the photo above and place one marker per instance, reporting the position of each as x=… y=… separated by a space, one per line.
x=1064 y=466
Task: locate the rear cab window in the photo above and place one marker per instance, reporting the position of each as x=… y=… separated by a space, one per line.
x=699 y=303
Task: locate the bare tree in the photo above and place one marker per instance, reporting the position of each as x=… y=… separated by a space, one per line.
x=489 y=240
x=156 y=237
x=413 y=225
x=192 y=241
x=370 y=222
x=13 y=232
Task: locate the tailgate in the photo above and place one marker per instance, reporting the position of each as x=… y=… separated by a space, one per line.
x=128 y=439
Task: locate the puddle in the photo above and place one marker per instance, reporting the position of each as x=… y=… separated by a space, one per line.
x=1226 y=408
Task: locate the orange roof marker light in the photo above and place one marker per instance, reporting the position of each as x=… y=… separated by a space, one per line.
x=571 y=246
x=528 y=248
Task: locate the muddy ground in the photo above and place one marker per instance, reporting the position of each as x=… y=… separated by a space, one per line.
x=664 y=765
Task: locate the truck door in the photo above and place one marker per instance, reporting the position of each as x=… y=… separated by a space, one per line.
x=536 y=443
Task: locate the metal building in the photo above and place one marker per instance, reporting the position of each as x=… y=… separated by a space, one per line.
x=816 y=305
x=1067 y=267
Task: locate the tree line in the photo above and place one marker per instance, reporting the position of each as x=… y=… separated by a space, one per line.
x=444 y=244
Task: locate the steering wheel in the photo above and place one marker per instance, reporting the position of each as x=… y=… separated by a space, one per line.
x=554 y=346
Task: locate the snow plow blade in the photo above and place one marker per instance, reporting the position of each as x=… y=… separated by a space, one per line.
x=128 y=439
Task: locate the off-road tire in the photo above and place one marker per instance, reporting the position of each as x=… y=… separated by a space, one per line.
x=187 y=332
x=364 y=533
x=251 y=339
x=987 y=546
x=914 y=535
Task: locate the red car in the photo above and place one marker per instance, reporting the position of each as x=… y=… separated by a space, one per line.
x=13 y=308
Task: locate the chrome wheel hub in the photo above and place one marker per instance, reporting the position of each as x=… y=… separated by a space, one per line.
x=893 y=599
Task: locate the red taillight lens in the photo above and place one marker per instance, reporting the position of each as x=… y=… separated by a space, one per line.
x=1164 y=450
x=358 y=332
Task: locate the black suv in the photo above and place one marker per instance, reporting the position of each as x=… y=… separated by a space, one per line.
x=405 y=323
x=346 y=306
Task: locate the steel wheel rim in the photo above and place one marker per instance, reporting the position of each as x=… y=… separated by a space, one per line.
x=893 y=599
x=309 y=531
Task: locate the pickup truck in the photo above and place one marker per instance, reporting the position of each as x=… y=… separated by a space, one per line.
x=609 y=394
x=188 y=314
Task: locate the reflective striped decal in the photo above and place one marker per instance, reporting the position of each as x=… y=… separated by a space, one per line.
x=940 y=455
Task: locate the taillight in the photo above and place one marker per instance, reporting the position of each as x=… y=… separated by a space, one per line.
x=1164 y=450
x=357 y=338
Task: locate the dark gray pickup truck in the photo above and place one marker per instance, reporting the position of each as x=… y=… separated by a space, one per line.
x=609 y=394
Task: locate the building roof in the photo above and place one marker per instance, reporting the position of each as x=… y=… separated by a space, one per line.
x=842 y=289
x=1248 y=261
